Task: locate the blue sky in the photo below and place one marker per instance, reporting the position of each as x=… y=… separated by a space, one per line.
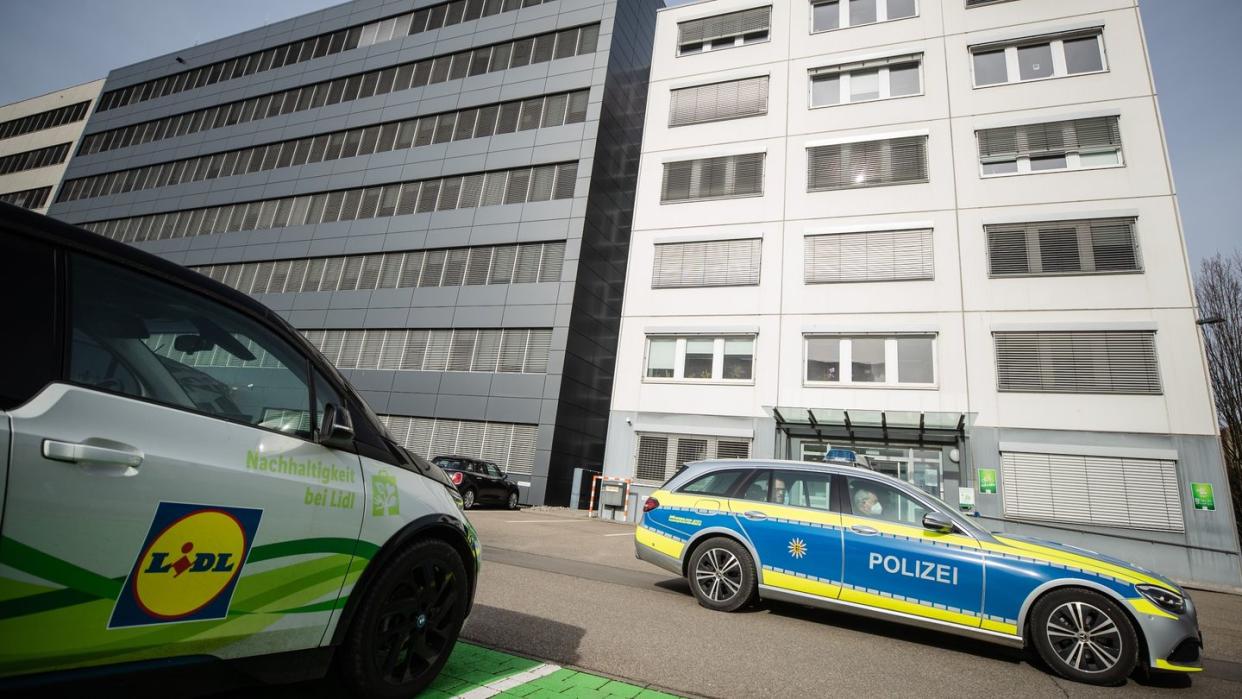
x=49 y=44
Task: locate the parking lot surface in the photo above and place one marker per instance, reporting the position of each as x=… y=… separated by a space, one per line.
x=567 y=589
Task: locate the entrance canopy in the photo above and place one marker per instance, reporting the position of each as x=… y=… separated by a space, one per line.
x=871 y=425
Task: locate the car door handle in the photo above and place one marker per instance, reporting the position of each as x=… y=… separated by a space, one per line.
x=864 y=530
x=756 y=516
x=77 y=453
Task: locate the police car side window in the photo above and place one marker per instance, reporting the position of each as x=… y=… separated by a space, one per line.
x=757 y=487
x=802 y=489
x=183 y=350
x=718 y=483
x=878 y=500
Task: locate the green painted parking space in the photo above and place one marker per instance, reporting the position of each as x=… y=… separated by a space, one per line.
x=475 y=672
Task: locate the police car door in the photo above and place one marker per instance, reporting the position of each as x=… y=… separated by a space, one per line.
x=788 y=517
x=166 y=497
x=893 y=563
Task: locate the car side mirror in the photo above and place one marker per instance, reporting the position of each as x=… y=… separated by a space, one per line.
x=337 y=430
x=936 y=522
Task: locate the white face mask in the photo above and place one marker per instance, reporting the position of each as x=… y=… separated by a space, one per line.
x=876 y=509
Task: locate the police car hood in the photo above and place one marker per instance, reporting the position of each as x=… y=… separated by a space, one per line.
x=1030 y=546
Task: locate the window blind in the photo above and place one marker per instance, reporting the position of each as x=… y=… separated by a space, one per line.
x=485 y=350
x=1077 y=135
x=34 y=159
x=868 y=257
x=44 y=120
x=872 y=64
x=1063 y=247
x=27 y=198
x=1113 y=362
x=697 y=31
x=734 y=99
x=878 y=163
x=505 y=444
x=713 y=178
x=707 y=263
x=660 y=455
x=1112 y=492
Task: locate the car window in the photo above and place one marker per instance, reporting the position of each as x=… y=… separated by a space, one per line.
x=869 y=498
x=493 y=470
x=757 y=486
x=802 y=489
x=718 y=483
x=454 y=464
x=139 y=336
x=27 y=284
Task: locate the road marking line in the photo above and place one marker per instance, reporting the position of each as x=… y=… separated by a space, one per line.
x=621 y=534
x=494 y=688
x=542 y=521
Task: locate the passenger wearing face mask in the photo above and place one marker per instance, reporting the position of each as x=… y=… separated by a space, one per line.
x=867 y=504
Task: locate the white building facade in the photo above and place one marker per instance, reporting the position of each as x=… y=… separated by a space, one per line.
x=940 y=233
x=37 y=136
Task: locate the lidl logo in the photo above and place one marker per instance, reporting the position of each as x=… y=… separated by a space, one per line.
x=188 y=565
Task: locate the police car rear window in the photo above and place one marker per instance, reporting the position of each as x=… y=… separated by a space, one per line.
x=717 y=483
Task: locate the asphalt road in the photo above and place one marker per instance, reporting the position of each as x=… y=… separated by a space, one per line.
x=568 y=590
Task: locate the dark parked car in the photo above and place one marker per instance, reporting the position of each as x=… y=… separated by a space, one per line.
x=479 y=482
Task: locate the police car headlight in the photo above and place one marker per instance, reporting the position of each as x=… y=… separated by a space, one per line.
x=1163 y=598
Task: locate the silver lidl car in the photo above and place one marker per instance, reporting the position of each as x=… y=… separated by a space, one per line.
x=185 y=480
x=842 y=537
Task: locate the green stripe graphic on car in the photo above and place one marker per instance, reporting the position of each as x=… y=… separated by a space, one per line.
x=78 y=602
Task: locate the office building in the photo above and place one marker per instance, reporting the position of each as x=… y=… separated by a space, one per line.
x=36 y=137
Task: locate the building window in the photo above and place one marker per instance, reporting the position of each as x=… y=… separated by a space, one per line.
x=1079 y=144
x=486 y=350
x=725 y=177
x=1107 y=362
x=890 y=161
x=34 y=159
x=509 y=445
x=28 y=198
x=866 y=81
x=44 y=120
x=827 y=15
x=1038 y=58
x=981 y=3
x=707 y=263
x=895 y=360
x=724 y=31
x=734 y=99
x=660 y=456
x=872 y=256
x=701 y=358
x=1104 y=491
x=478 y=122
x=1048 y=248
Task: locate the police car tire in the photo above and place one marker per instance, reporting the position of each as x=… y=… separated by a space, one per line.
x=746 y=590
x=358 y=668
x=1127 y=658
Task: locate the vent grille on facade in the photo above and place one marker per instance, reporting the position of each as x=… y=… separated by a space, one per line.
x=505 y=444
x=889 y=161
x=713 y=178
x=1096 y=133
x=28 y=198
x=707 y=263
x=1104 y=491
x=44 y=120
x=485 y=350
x=734 y=24
x=734 y=99
x=1063 y=247
x=34 y=159
x=1117 y=362
x=869 y=257
x=660 y=455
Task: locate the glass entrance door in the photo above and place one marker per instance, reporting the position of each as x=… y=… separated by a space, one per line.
x=922 y=468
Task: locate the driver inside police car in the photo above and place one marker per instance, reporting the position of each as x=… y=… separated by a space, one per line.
x=866 y=504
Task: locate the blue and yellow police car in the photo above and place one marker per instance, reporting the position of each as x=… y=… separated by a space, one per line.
x=842 y=537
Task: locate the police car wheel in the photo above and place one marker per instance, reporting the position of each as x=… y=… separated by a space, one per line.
x=1084 y=636
x=407 y=623
x=468 y=498
x=722 y=575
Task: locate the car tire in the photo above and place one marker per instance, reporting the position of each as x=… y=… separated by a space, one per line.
x=468 y=498
x=722 y=575
x=1084 y=636
x=419 y=601
x=512 y=502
